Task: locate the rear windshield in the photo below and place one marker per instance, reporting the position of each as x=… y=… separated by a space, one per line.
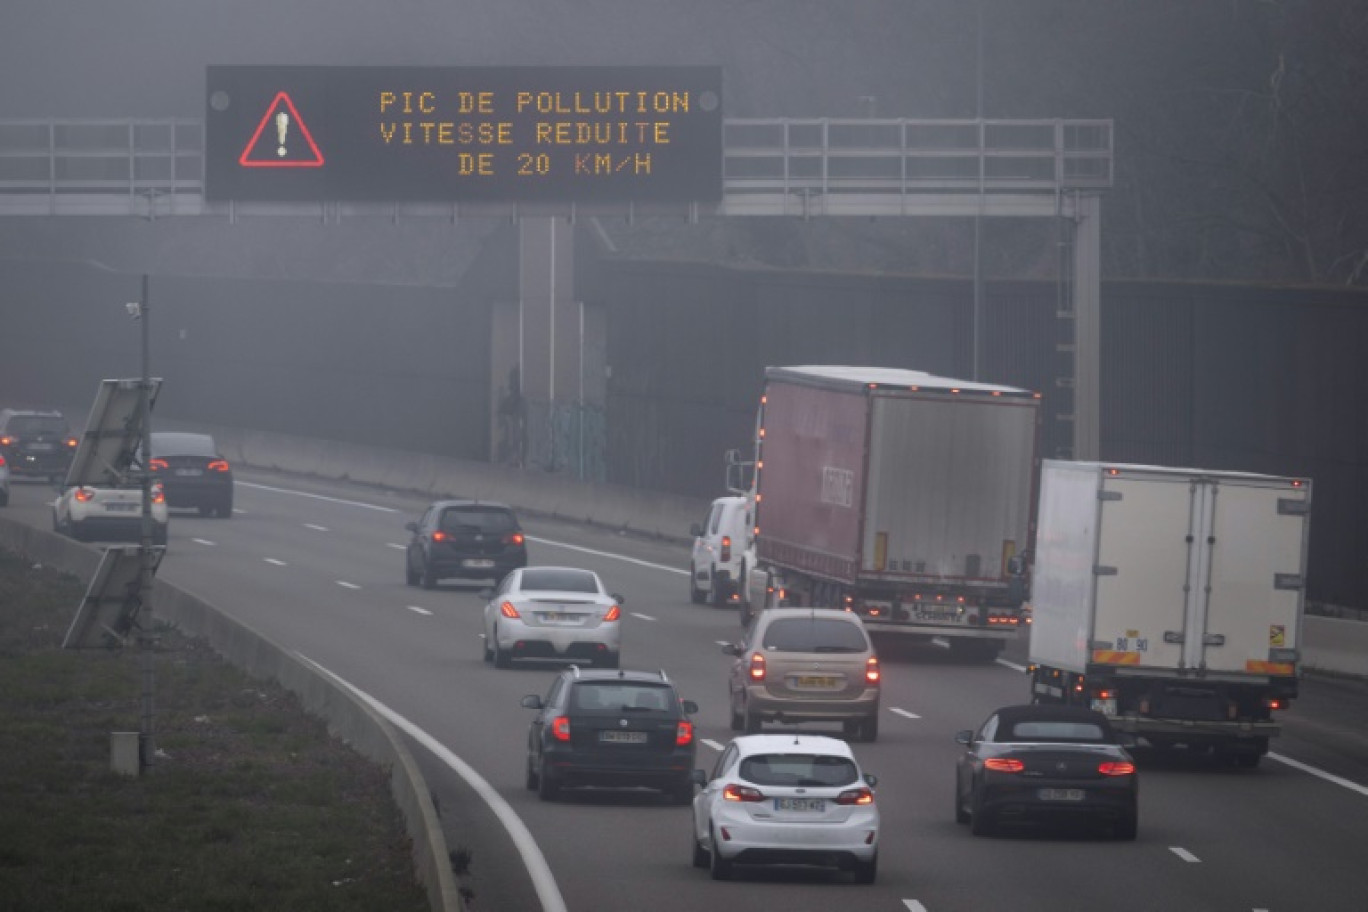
x=492 y=520
x=559 y=579
x=34 y=425
x=799 y=769
x=815 y=635
x=621 y=696
x=1052 y=730
x=183 y=445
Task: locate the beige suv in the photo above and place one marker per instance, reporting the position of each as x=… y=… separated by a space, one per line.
x=805 y=665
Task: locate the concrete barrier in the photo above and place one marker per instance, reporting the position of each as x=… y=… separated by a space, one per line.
x=347 y=716
x=1335 y=646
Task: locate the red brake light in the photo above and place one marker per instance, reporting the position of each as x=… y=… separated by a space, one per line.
x=872 y=673
x=2 y=460
x=218 y=465
x=515 y=539
x=734 y=792
x=1116 y=768
x=508 y=611
x=84 y=494
x=726 y=547
x=158 y=494
x=856 y=796
x=6 y=441
x=157 y=465
x=757 y=667
x=613 y=614
x=72 y=443
x=560 y=728
x=1004 y=765
x=439 y=535
x=684 y=732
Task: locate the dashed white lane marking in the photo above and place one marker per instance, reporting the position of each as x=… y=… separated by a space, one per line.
x=203 y=541
x=346 y=585
x=644 y=617
x=609 y=554
x=913 y=906
x=336 y=500
x=417 y=609
x=709 y=742
x=272 y=560
x=396 y=547
x=722 y=642
x=903 y=712
x=315 y=527
x=1319 y=773
x=1184 y=854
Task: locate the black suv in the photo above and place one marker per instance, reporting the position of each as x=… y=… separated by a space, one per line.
x=471 y=539
x=616 y=729
x=36 y=443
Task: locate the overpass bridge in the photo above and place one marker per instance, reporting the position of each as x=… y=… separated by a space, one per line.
x=778 y=167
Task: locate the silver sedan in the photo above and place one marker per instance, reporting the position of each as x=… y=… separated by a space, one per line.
x=562 y=613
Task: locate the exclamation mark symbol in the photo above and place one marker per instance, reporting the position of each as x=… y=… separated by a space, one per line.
x=282 y=126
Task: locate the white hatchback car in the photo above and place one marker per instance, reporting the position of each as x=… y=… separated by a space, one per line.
x=552 y=613
x=786 y=799
x=90 y=513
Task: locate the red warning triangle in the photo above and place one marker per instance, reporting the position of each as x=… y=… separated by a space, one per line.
x=281 y=140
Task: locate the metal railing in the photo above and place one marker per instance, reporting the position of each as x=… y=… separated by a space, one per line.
x=157 y=166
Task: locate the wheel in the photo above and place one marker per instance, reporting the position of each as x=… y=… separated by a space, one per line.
x=548 y=789
x=225 y=509
x=4 y=498
x=205 y=510
x=738 y=721
x=979 y=824
x=532 y=780
x=696 y=595
x=485 y=652
x=869 y=729
x=961 y=815
x=501 y=658
x=159 y=536
x=1126 y=827
x=410 y=575
x=720 y=867
x=751 y=721
x=700 y=854
x=682 y=793
x=866 y=871
x=715 y=596
x=429 y=576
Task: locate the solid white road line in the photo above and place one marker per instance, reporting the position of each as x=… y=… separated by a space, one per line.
x=1320 y=774
x=913 y=906
x=346 y=585
x=272 y=560
x=336 y=500
x=644 y=617
x=1185 y=855
x=315 y=527
x=903 y=712
x=629 y=560
x=417 y=609
x=537 y=868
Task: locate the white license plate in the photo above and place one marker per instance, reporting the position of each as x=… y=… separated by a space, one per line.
x=189 y=473
x=560 y=617
x=121 y=507
x=815 y=682
x=1060 y=794
x=477 y=563
x=800 y=804
x=622 y=737
x=948 y=616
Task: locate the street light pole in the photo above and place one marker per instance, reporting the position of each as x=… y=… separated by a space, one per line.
x=146 y=740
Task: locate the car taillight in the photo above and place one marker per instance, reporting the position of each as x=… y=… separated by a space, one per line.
x=726 y=547
x=439 y=535
x=2 y=460
x=684 y=732
x=508 y=611
x=157 y=465
x=872 y=670
x=612 y=614
x=757 y=667
x=218 y=465
x=560 y=728
x=514 y=539
x=860 y=795
x=734 y=792
x=72 y=443
x=84 y=495
x=6 y=441
x=1116 y=768
x=1004 y=765
x=158 y=494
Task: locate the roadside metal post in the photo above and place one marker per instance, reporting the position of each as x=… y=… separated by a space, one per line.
x=146 y=640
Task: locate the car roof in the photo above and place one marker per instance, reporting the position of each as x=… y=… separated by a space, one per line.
x=749 y=745
x=770 y=614
x=468 y=502
x=620 y=674
x=1046 y=712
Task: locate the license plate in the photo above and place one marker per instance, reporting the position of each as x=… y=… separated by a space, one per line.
x=622 y=737
x=816 y=681
x=41 y=447
x=121 y=507
x=926 y=615
x=559 y=617
x=477 y=563
x=800 y=804
x=1060 y=794
x=189 y=473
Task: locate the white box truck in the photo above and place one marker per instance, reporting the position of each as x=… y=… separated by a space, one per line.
x=1171 y=600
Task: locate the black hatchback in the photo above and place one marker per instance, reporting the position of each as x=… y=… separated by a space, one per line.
x=470 y=539
x=36 y=443
x=611 y=729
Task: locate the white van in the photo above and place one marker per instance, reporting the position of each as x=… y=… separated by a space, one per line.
x=717 y=567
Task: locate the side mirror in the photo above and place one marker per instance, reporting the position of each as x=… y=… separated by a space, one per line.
x=617 y=598
x=411 y=527
x=965 y=736
x=1128 y=739
x=696 y=530
x=486 y=593
x=699 y=778
x=732 y=649
x=690 y=706
x=1016 y=565
x=532 y=701
x=871 y=780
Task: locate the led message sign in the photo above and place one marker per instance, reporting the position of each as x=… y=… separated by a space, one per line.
x=477 y=134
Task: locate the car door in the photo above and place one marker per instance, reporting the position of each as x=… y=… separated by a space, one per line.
x=549 y=710
x=708 y=794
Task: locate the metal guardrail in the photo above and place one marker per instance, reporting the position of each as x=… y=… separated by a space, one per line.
x=156 y=167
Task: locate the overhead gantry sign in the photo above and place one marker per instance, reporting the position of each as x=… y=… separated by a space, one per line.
x=476 y=134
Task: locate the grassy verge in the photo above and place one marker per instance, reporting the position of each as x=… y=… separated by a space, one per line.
x=251 y=805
